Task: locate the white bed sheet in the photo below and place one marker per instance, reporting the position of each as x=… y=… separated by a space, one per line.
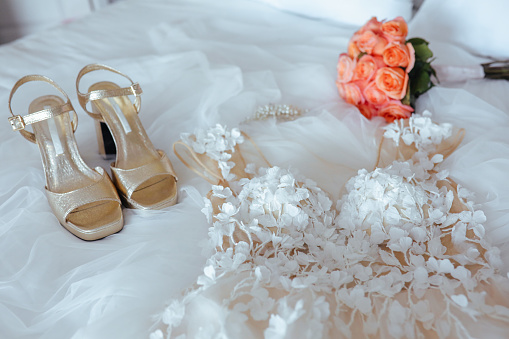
x=198 y=63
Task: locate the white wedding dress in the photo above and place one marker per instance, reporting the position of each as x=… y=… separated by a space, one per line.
x=402 y=254
x=202 y=62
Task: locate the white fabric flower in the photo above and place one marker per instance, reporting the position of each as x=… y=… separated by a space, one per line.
x=288 y=244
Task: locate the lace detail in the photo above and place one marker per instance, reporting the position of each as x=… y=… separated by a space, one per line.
x=401 y=237
x=217 y=143
x=421 y=131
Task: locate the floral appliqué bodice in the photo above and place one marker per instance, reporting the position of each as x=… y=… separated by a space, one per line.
x=402 y=254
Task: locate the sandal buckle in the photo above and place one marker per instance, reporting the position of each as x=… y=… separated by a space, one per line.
x=17 y=123
x=135 y=89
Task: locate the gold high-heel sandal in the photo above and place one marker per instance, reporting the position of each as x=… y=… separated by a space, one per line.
x=143 y=175
x=84 y=201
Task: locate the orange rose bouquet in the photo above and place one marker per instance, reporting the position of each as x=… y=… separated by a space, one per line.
x=383 y=73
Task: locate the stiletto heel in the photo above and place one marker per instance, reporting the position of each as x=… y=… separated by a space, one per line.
x=143 y=175
x=84 y=200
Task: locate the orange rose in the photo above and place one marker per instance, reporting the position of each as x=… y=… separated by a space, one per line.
x=374 y=95
x=365 y=68
x=370 y=42
x=372 y=25
x=345 y=67
x=395 y=30
x=368 y=111
x=361 y=84
x=394 y=110
x=350 y=92
x=411 y=52
x=353 y=50
x=396 y=55
x=393 y=81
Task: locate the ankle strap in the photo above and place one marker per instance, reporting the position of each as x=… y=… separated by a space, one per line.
x=84 y=98
x=18 y=122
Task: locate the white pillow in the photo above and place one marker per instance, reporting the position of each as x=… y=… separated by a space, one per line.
x=350 y=12
x=481 y=27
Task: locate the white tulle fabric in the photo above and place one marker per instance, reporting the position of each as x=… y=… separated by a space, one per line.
x=201 y=63
x=481 y=40
x=347 y=12
x=392 y=258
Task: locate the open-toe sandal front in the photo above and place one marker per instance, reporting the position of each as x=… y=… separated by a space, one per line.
x=84 y=200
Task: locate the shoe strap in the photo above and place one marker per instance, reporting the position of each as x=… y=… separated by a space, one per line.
x=127 y=181
x=18 y=122
x=85 y=98
x=63 y=204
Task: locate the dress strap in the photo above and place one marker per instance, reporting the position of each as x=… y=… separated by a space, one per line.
x=207 y=171
x=255 y=145
x=389 y=151
x=208 y=168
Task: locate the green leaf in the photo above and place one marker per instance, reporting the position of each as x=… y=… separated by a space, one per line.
x=422 y=52
x=413 y=100
x=422 y=83
x=426 y=67
x=406 y=99
x=416 y=70
x=361 y=54
x=417 y=41
x=420 y=76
